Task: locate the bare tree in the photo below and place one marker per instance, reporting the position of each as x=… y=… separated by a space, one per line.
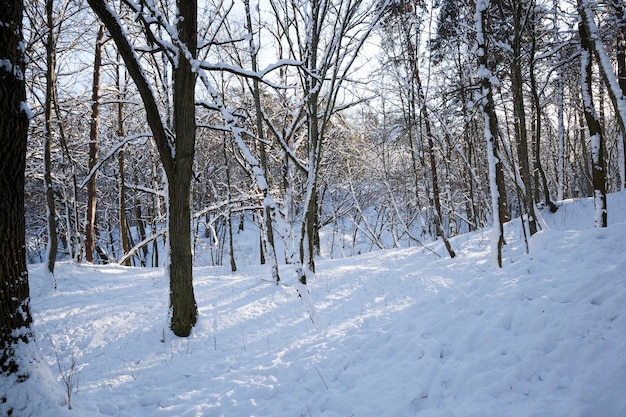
x=119 y=73
x=402 y=21
x=329 y=36
x=47 y=137
x=615 y=84
x=619 y=11
x=540 y=174
x=520 y=17
x=92 y=197
x=598 y=168
x=267 y=230
x=604 y=63
x=176 y=149
x=492 y=130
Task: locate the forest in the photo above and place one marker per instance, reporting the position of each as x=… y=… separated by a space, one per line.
x=158 y=131
x=373 y=118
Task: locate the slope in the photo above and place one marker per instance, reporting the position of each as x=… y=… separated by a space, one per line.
x=395 y=333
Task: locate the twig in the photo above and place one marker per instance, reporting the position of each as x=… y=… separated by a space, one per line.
x=69 y=376
x=321 y=377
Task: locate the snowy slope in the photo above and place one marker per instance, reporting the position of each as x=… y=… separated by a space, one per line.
x=396 y=333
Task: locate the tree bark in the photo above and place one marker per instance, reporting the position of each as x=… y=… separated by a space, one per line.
x=229 y=219
x=182 y=301
x=538 y=126
x=604 y=63
x=496 y=176
x=90 y=221
x=122 y=214
x=620 y=46
x=521 y=131
x=175 y=152
x=120 y=163
x=598 y=169
x=15 y=316
x=431 y=147
x=267 y=232
x=314 y=136
x=49 y=107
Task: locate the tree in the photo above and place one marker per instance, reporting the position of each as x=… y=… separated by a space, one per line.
x=94 y=123
x=119 y=74
x=408 y=22
x=449 y=47
x=15 y=316
x=560 y=168
x=326 y=37
x=176 y=149
x=266 y=220
x=619 y=12
x=598 y=168
x=48 y=128
x=492 y=131
x=538 y=165
x=598 y=50
x=520 y=16
x=57 y=127
x=615 y=85
x=24 y=381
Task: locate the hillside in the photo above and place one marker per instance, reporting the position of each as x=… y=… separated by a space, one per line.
x=394 y=333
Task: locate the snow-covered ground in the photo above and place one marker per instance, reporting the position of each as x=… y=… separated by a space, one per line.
x=394 y=333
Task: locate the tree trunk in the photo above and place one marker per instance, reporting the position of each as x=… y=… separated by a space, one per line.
x=604 y=63
x=15 y=316
x=73 y=227
x=496 y=176
x=229 y=219
x=620 y=47
x=141 y=223
x=471 y=206
x=418 y=96
x=431 y=151
x=90 y=221
x=307 y=235
x=51 y=254
x=521 y=132
x=182 y=301
x=176 y=152
x=598 y=170
x=120 y=163
x=122 y=210
x=314 y=138
x=559 y=100
x=267 y=233
x=537 y=151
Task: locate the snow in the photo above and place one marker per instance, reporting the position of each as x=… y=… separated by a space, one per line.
x=608 y=74
x=395 y=333
x=38 y=395
x=7 y=66
x=25 y=108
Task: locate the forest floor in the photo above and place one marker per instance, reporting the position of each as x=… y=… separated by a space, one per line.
x=394 y=333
